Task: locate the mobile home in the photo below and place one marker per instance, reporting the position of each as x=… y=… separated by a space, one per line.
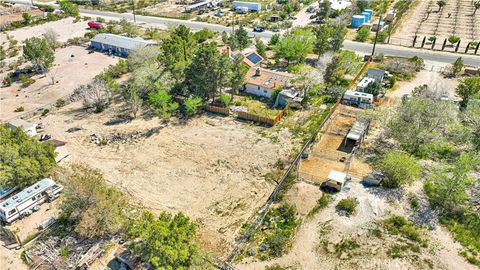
x=23 y=203
x=358 y=98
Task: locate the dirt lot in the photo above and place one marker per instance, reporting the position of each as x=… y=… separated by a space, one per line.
x=327 y=152
x=211 y=168
x=64 y=28
x=71 y=72
x=435 y=81
x=454 y=19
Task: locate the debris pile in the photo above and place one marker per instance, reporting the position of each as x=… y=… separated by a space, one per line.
x=60 y=253
x=122 y=138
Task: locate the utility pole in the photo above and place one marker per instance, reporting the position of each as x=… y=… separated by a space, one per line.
x=133 y=7
x=376 y=35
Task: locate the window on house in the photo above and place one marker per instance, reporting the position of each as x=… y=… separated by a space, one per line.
x=13 y=211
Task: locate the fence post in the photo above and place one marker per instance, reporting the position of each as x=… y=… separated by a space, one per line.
x=423 y=41
x=458 y=45
x=433 y=42
x=476 y=49
x=444 y=44
x=415 y=41
x=468 y=47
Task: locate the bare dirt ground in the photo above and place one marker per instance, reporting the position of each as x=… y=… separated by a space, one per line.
x=456 y=18
x=71 y=72
x=327 y=152
x=435 y=81
x=210 y=168
x=64 y=28
x=315 y=243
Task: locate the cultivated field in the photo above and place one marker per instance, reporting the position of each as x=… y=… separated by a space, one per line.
x=73 y=67
x=455 y=19
x=211 y=168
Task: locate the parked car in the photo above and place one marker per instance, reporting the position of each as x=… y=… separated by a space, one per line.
x=259 y=29
x=275 y=30
x=95 y=25
x=293 y=18
x=219 y=14
x=313 y=16
x=214 y=7
x=310 y=9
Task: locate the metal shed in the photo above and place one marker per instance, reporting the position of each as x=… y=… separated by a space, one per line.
x=118 y=45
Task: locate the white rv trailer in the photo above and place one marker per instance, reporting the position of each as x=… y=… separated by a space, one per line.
x=22 y=203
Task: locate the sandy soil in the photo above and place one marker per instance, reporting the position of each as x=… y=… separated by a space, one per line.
x=314 y=244
x=211 y=167
x=64 y=28
x=460 y=22
x=327 y=152
x=71 y=72
x=435 y=80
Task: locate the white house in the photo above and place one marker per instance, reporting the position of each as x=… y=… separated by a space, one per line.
x=336 y=180
x=29 y=128
x=262 y=82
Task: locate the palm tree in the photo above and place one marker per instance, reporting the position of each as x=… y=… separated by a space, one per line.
x=441 y=4
x=476 y=5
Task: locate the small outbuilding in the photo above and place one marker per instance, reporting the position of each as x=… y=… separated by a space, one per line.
x=375 y=73
x=357 y=131
x=252 y=6
x=29 y=128
x=118 y=45
x=335 y=180
x=287 y=96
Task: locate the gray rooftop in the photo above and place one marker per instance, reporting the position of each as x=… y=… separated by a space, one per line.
x=358 y=129
x=121 y=41
x=20 y=123
x=376 y=71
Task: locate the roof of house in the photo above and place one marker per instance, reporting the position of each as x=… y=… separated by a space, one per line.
x=196 y=5
x=289 y=93
x=339 y=177
x=121 y=41
x=375 y=72
x=358 y=129
x=268 y=78
x=21 y=124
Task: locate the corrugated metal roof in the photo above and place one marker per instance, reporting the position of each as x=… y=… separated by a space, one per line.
x=121 y=41
x=358 y=129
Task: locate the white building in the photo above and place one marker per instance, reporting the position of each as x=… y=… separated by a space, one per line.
x=29 y=128
x=24 y=202
x=336 y=180
x=364 y=83
x=359 y=99
x=262 y=82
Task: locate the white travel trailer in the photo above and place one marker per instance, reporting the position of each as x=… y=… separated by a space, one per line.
x=360 y=99
x=23 y=203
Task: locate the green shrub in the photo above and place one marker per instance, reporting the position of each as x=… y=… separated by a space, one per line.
x=45 y=112
x=19 y=109
x=399 y=168
x=26 y=81
x=192 y=104
x=400 y=225
x=321 y=204
x=225 y=99
x=348 y=206
x=345 y=245
x=362 y=34
x=60 y=103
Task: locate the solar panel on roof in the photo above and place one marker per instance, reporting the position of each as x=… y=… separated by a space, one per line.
x=254 y=58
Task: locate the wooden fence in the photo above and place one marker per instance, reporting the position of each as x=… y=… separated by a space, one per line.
x=249 y=116
x=215 y=109
x=354 y=81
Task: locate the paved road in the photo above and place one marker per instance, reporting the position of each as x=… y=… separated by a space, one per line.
x=362 y=48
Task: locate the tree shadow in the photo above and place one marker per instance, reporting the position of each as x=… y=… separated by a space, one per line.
x=395 y=194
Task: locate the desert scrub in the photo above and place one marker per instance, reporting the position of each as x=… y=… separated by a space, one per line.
x=400 y=225
x=347 y=206
x=345 y=245
x=321 y=204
